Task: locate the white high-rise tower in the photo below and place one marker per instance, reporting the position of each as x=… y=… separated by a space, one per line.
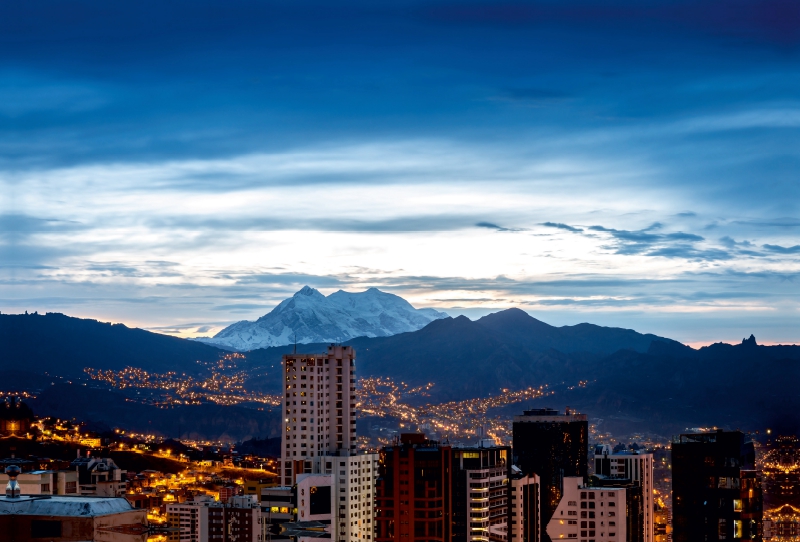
x=318 y=409
x=318 y=444
x=634 y=466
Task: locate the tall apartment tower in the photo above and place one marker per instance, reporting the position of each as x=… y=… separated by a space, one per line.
x=318 y=409
x=552 y=446
x=480 y=493
x=715 y=494
x=414 y=499
x=523 y=505
x=635 y=467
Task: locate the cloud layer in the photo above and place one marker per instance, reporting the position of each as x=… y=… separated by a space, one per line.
x=180 y=167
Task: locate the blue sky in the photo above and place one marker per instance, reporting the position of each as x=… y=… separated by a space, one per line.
x=178 y=167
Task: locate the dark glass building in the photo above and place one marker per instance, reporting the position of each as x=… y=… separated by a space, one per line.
x=716 y=494
x=553 y=446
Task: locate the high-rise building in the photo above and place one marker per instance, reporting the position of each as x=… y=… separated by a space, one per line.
x=635 y=467
x=318 y=408
x=597 y=513
x=318 y=444
x=480 y=493
x=552 y=446
x=414 y=499
x=523 y=505
x=716 y=494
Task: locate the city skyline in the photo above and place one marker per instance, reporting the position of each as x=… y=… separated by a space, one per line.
x=181 y=167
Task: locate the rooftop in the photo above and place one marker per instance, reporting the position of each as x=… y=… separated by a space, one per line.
x=62 y=505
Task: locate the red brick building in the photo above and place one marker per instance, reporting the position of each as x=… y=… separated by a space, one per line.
x=414 y=492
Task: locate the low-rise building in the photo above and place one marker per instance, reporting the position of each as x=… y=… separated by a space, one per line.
x=206 y=520
x=99 y=476
x=46 y=482
x=61 y=518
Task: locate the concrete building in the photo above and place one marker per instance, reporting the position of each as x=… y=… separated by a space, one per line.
x=480 y=488
x=636 y=467
x=318 y=408
x=595 y=514
x=46 y=482
x=524 y=505
x=278 y=508
x=60 y=518
x=552 y=446
x=99 y=476
x=318 y=444
x=351 y=479
x=206 y=520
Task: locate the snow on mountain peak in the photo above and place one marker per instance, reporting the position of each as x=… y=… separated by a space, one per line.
x=313 y=317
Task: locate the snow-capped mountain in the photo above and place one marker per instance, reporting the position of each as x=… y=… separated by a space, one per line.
x=314 y=318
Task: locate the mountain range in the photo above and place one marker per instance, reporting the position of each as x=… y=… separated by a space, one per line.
x=310 y=317
x=634 y=380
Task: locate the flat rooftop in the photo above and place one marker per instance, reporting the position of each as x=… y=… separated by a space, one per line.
x=64 y=505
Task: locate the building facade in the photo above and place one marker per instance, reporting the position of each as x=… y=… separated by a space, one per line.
x=716 y=494
x=46 y=482
x=319 y=441
x=414 y=499
x=523 y=503
x=552 y=446
x=318 y=408
x=60 y=518
x=595 y=514
x=636 y=467
x=480 y=493
x=206 y=520
x=99 y=476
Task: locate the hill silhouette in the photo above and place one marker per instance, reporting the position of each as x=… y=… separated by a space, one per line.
x=62 y=345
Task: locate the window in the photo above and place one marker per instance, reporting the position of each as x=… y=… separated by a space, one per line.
x=41 y=528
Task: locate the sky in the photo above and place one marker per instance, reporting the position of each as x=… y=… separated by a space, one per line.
x=180 y=166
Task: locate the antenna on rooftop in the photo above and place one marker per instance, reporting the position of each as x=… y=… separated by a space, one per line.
x=295 y=342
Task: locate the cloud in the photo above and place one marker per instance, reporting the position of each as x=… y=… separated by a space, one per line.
x=782 y=250
x=731 y=243
x=17 y=223
x=562 y=226
x=666 y=245
x=492 y=226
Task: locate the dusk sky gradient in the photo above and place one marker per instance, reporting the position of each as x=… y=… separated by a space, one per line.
x=179 y=167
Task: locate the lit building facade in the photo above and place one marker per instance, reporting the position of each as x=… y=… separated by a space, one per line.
x=636 y=467
x=207 y=520
x=595 y=514
x=318 y=409
x=318 y=444
x=480 y=493
x=523 y=504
